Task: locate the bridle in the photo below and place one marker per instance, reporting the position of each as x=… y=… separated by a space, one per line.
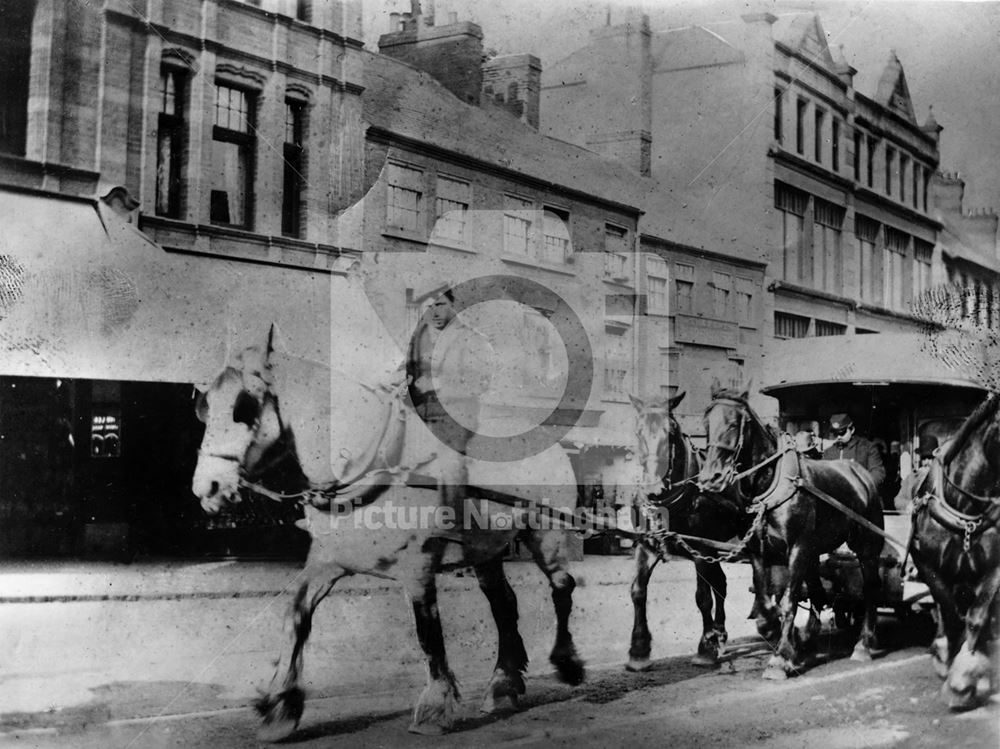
x=674 y=490
x=732 y=477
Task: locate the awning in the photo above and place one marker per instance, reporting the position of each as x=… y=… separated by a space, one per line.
x=872 y=359
x=84 y=294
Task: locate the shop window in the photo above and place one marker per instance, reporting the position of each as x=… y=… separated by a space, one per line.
x=294 y=181
x=171 y=141
x=233 y=148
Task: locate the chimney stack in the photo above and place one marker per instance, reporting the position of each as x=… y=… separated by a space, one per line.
x=515 y=83
x=453 y=54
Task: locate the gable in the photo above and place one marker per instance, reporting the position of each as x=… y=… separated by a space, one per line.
x=803 y=33
x=893 y=93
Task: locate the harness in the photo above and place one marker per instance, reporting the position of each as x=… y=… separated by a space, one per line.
x=932 y=501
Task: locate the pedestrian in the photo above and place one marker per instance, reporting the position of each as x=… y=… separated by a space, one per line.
x=449 y=364
x=911 y=484
x=848 y=445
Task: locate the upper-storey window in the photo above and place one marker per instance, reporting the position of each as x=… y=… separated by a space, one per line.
x=915 y=192
x=904 y=164
x=722 y=284
x=656 y=285
x=828 y=222
x=451 y=209
x=405 y=199
x=778 y=115
x=869 y=261
x=303 y=10
x=835 y=145
x=800 y=125
x=922 y=254
x=684 y=287
x=234 y=140
x=616 y=252
x=890 y=167
x=171 y=134
x=294 y=181
x=555 y=235
x=793 y=205
x=858 y=141
x=870 y=161
x=744 y=302
x=517 y=225
x=16 y=18
x=893 y=253
x=819 y=117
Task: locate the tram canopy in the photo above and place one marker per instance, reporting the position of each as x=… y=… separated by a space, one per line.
x=871 y=359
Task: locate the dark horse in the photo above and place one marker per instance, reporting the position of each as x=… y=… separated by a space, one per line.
x=792 y=525
x=670 y=468
x=367 y=517
x=956 y=546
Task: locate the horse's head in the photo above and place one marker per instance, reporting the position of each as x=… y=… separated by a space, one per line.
x=726 y=420
x=969 y=457
x=242 y=423
x=658 y=438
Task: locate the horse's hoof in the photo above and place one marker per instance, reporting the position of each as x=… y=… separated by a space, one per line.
x=705 y=660
x=276 y=730
x=940 y=667
x=494 y=703
x=638 y=665
x=775 y=673
x=861 y=655
x=958 y=701
x=426 y=729
x=569 y=667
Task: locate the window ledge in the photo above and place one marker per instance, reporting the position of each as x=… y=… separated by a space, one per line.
x=619 y=281
x=409 y=236
x=530 y=262
x=455 y=245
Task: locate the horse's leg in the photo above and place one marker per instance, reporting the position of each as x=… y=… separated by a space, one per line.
x=871 y=584
x=638 y=652
x=547 y=550
x=783 y=661
x=817 y=602
x=949 y=624
x=435 y=710
x=512 y=660
x=968 y=682
x=282 y=704
x=764 y=610
x=710 y=590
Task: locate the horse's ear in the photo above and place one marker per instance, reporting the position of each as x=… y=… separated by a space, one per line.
x=716 y=387
x=746 y=391
x=639 y=405
x=272 y=335
x=672 y=403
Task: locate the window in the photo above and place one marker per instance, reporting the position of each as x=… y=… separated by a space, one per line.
x=684 y=287
x=233 y=146
x=793 y=204
x=857 y=155
x=170 y=141
x=555 y=235
x=451 y=209
x=721 y=287
x=778 y=114
x=405 y=199
x=669 y=371
x=892 y=267
x=835 y=145
x=828 y=221
x=294 y=178
x=744 y=302
x=303 y=10
x=915 y=192
x=818 y=117
x=656 y=285
x=869 y=282
x=790 y=326
x=517 y=225
x=870 y=160
x=890 y=165
x=927 y=180
x=15 y=64
x=616 y=252
x=617 y=363
x=824 y=328
x=922 y=253
x=904 y=163
x=800 y=126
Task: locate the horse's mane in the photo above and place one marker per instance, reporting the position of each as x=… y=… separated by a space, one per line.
x=983 y=411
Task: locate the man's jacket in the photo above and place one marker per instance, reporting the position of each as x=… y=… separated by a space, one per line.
x=862 y=452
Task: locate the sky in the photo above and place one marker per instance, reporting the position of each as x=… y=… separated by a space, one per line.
x=950 y=52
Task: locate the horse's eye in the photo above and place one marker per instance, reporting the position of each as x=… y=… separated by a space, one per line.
x=246 y=410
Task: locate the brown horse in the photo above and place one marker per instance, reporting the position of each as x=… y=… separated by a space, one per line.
x=956 y=546
x=793 y=526
x=366 y=516
x=670 y=468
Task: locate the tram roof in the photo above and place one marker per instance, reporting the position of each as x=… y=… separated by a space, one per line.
x=945 y=358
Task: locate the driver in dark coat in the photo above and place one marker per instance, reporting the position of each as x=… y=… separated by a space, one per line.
x=848 y=445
